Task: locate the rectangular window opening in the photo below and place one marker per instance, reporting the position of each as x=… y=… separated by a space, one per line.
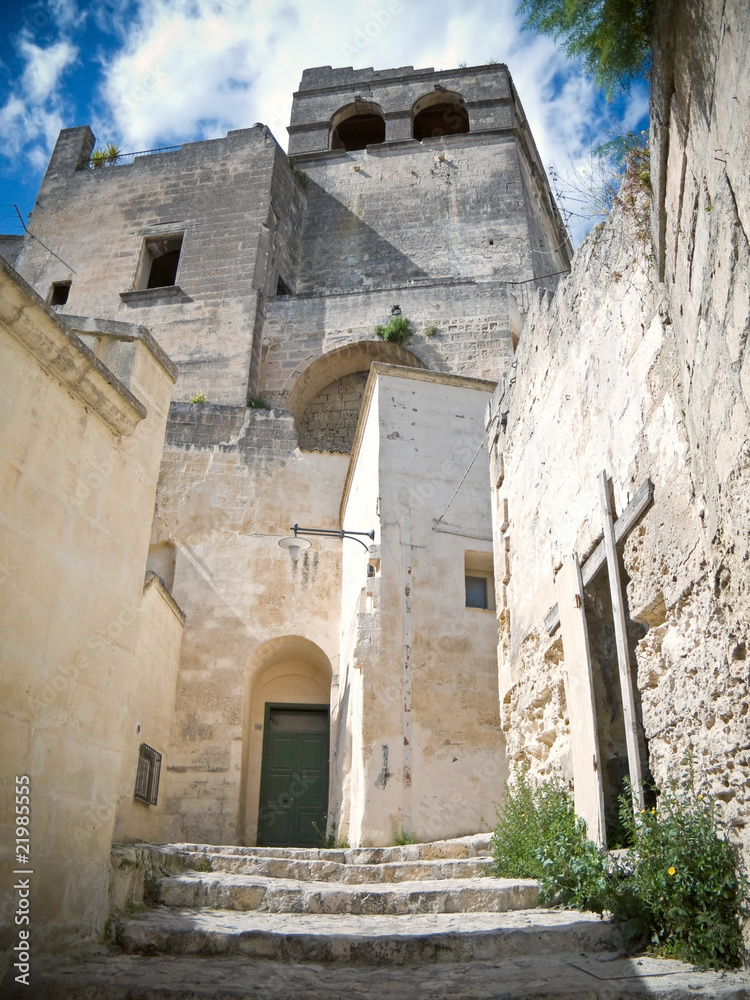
x=59 y=293
x=479 y=580
x=147 y=778
x=159 y=261
x=476 y=592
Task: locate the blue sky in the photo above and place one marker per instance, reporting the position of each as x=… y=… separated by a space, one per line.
x=150 y=73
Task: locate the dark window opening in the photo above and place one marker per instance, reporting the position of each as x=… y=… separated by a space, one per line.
x=441 y=119
x=476 y=592
x=357 y=132
x=147 y=778
x=281 y=286
x=161 y=257
x=59 y=293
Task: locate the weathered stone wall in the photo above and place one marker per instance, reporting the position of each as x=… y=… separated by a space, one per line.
x=79 y=459
x=447 y=207
x=471 y=319
x=237 y=215
x=646 y=379
x=329 y=422
x=232 y=483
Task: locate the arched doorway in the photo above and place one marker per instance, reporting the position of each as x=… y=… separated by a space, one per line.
x=286 y=735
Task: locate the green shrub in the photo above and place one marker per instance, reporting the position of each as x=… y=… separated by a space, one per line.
x=529 y=820
x=686 y=891
x=398 y=330
x=199 y=398
x=679 y=889
x=329 y=841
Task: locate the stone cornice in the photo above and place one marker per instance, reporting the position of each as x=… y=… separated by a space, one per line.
x=63 y=356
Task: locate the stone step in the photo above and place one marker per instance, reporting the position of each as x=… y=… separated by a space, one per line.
x=476 y=845
x=349 y=874
x=604 y=976
x=378 y=940
x=280 y=895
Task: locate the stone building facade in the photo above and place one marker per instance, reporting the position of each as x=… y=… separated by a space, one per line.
x=352 y=689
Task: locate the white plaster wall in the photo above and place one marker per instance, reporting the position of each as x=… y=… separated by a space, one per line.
x=77 y=501
x=427 y=662
x=153 y=684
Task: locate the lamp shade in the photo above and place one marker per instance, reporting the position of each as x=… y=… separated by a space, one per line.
x=295 y=545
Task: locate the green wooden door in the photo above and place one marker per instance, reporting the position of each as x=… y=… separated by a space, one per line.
x=294 y=776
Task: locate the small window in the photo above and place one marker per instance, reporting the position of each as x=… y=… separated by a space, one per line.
x=147 y=779
x=476 y=592
x=59 y=293
x=479 y=580
x=159 y=262
x=281 y=286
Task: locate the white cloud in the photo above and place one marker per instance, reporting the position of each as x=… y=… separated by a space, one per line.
x=32 y=115
x=44 y=67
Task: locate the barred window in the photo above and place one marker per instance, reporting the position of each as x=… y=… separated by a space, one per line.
x=147 y=779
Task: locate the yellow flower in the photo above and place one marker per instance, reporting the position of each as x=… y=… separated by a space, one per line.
x=671 y=871
x=653 y=811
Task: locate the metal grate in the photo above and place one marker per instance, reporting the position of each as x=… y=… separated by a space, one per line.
x=147 y=778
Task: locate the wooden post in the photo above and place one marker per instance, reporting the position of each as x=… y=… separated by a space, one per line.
x=579 y=690
x=621 y=638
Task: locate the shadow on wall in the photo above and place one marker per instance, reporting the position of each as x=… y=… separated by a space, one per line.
x=343 y=252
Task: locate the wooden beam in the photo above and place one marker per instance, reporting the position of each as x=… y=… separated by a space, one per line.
x=623 y=526
x=621 y=640
x=579 y=695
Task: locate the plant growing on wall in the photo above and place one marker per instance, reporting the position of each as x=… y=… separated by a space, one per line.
x=105 y=156
x=301 y=176
x=398 y=330
x=199 y=398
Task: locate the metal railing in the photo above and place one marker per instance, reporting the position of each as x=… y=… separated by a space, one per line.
x=124 y=159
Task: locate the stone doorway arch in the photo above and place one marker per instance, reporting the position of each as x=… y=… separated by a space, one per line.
x=287 y=671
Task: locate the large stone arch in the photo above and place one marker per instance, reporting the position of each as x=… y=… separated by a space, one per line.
x=441 y=112
x=327 y=396
x=289 y=669
x=357 y=125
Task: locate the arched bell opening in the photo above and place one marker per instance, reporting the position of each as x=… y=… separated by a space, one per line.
x=442 y=112
x=357 y=125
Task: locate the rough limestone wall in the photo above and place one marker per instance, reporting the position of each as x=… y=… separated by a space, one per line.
x=647 y=378
x=329 y=422
x=694 y=666
x=572 y=412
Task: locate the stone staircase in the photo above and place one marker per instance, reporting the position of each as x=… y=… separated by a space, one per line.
x=419 y=921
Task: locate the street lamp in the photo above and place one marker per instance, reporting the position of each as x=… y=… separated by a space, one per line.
x=295 y=543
